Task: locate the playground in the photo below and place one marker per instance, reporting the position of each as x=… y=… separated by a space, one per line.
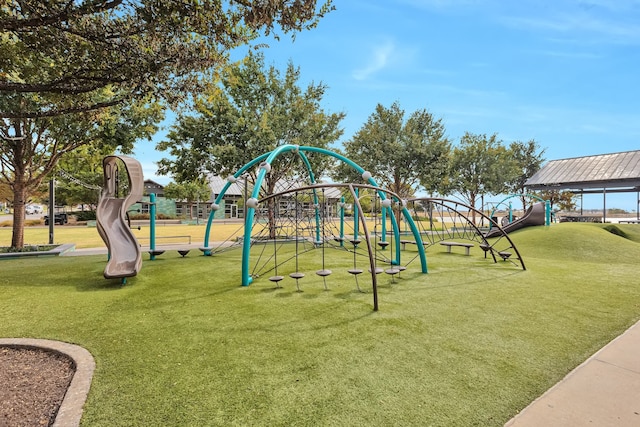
x=469 y=343
x=311 y=215
x=313 y=315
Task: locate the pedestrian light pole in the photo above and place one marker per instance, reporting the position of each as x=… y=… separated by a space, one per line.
x=52 y=208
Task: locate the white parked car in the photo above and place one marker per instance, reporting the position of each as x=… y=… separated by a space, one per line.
x=33 y=209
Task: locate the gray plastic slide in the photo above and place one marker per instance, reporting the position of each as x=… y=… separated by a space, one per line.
x=125 y=257
x=533 y=216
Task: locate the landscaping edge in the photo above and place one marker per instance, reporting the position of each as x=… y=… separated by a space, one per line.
x=71 y=408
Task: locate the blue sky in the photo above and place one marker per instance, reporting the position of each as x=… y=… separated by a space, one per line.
x=562 y=72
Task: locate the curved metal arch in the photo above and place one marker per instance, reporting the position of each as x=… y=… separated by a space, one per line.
x=372 y=181
x=265 y=167
x=230 y=180
x=489 y=246
x=265 y=161
x=352 y=189
x=233 y=178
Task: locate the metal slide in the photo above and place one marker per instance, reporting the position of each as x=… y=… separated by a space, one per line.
x=535 y=215
x=125 y=257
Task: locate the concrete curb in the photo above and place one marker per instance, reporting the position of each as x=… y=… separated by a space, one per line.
x=57 y=251
x=70 y=410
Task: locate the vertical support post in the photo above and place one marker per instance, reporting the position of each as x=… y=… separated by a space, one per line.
x=198 y=211
x=152 y=225
x=396 y=229
x=246 y=192
x=356 y=219
x=383 y=219
x=510 y=212
x=604 y=205
x=547 y=212
x=417 y=236
x=318 y=206
x=52 y=209
x=342 y=221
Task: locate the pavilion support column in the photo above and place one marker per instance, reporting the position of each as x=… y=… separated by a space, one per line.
x=604 y=205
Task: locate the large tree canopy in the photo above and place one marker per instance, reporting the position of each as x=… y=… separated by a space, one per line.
x=76 y=72
x=69 y=51
x=30 y=149
x=401 y=154
x=528 y=158
x=481 y=165
x=254 y=110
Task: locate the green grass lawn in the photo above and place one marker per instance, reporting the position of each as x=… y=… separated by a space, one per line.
x=470 y=343
x=88 y=237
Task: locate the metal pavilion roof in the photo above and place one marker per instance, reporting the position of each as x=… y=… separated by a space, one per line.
x=615 y=171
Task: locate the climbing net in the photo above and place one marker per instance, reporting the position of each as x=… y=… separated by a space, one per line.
x=315 y=219
x=70 y=178
x=442 y=220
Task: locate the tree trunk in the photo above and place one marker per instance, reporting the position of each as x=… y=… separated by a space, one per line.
x=472 y=203
x=272 y=219
x=19 y=196
x=271 y=209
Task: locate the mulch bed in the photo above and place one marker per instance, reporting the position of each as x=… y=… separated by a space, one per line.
x=33 y=385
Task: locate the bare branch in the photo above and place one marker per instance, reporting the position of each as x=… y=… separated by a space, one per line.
x=61 y=111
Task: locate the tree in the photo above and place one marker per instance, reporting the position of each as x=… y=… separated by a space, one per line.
x=85 y=55
x=66 y=66
x=191 y=192
x=401 y=155
x=480 y=165
x=5 y=194
x=80 y=176
x=527 y=158
x=30 y=149
x=253 y=111
x=564 y=200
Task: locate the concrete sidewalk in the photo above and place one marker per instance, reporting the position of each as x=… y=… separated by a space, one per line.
x=602 y=391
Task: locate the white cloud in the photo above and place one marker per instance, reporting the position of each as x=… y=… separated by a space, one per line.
x=379 y=60
x=587 y=23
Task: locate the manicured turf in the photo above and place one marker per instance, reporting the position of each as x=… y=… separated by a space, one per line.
x=88 y=237
x=470 y=343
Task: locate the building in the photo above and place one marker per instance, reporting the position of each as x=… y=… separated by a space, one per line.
x=232 y=203
x=231 y=206
x=153 y=187
x=599 y=174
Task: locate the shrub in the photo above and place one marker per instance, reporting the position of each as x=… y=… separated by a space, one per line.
x=27 y=248
x=85 y=215
x=138 y=216
x=147 y=216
